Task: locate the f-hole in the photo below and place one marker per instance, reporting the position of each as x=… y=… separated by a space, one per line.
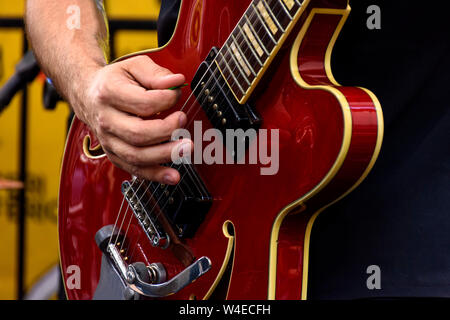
x=221 y=290
x=92 y=152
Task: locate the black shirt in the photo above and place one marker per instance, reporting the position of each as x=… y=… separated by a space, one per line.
x=399 y=218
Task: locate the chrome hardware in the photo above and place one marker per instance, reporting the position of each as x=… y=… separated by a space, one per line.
x=148 y=280
x=178 y=282
x=157 y=236
x=157 y=273
x=117 y=259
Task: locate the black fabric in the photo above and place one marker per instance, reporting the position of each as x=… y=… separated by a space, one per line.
x=167 y=20
x=399 y=218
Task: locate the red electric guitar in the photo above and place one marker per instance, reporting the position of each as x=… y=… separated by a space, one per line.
x=226 y=231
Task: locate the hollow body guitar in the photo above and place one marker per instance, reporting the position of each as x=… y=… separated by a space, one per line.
x=227 y=231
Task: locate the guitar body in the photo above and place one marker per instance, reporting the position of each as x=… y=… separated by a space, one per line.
x=256 y=233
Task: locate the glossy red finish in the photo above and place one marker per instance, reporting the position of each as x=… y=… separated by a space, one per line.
x=311 y=125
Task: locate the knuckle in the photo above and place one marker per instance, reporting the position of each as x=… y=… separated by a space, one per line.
x=102 y=122
x=161 y=71
x=143 y=58
x=173 y=96
x=132 y=158
x=106 y=145
x=163 y=127
x=146 y=109
x=135 y=136
x=101 y=93
x=169 y=152
x=164 y=72
x=135 y=171
x=166 y=99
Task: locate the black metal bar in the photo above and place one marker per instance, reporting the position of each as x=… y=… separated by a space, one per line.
x=11 y=23
x=115 y=24
x=129 y=24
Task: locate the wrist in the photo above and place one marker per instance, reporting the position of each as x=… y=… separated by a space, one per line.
x=80 y=89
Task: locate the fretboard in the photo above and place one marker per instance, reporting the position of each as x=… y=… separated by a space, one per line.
x=255 y=40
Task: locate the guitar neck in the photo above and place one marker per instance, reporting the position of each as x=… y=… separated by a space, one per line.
x=254 y=42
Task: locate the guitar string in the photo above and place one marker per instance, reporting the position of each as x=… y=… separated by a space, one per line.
x=117 y=219
x=124 y=217
x=135 y=193
x=225 y=84
x=148 y=213
x=198 y=109
x=230 y=53
x=189 y=167
x=227 y=53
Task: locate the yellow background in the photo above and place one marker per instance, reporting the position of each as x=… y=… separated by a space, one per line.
x=46 y=136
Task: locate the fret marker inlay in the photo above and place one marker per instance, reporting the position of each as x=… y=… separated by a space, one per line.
x=289 y=3
x=239 y=58
x=262 y=10
x=252 y=39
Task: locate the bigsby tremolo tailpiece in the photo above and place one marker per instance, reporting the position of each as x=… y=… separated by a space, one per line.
x=150 y=281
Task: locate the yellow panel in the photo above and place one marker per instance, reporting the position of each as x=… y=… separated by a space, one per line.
x=46 y=135
x=46 y=139
x=10 y=52
x=136 y=9
x=132 y=41
x=12 y=8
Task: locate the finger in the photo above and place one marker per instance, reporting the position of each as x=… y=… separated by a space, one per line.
x=161 y=174
x=147 y=156
x=138 y=132
x=134 y=99
x=151 y=75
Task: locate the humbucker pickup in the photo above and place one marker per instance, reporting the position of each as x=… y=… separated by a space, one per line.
x=217 y=100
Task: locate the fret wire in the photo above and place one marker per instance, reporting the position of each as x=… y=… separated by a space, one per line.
x=280 y=12
x=283 y=3
x=249 y=45
x=254 y=33
x=228 y=88
x=248 y=41
x=262 y=10
x=285 y=9
x=269 y=10
x=255 y=36
x=289 y=3
x=263 y=23
x=242 y=54
x=237 y=63
x=231 y=72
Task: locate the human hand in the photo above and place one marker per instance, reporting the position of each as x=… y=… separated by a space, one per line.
x=116 y=100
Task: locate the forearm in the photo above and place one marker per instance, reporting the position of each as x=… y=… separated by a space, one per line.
x=69 y=53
